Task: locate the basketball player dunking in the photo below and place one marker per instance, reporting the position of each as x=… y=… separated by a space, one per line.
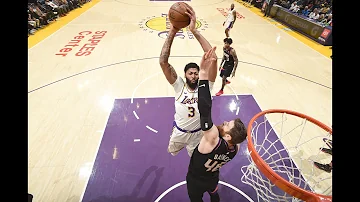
x=186 y=126
x=218 y=145
x=228 y=65
x=230 y=20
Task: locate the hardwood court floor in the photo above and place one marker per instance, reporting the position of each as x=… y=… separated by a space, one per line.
x=70 y=96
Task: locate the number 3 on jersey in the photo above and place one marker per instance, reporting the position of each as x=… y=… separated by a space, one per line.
x=191 y=112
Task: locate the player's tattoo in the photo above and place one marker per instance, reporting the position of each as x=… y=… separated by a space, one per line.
x=165 y=53
x=172 y=70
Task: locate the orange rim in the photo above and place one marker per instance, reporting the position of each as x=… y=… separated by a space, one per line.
x=273 y=176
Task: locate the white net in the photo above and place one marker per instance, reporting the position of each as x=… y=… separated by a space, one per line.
x=289 y=145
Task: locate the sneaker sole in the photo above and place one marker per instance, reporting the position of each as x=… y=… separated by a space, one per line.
x=328 y=142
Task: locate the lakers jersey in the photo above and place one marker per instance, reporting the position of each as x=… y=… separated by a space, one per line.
x=187 y=115
x=230 y=16
x=206 y=166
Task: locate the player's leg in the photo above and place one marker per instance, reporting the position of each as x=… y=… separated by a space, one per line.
x=229 y=69
x=226 y=24
x=177 y=141
x=226 y=73
x=194 y=188
x=223 y=83
x=227 y=30
x=194 y=140
x=222 y=72
x=221 y=75
x=214 y=195
x=212 y=190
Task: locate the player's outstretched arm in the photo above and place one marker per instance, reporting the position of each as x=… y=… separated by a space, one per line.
x=213 y=68
x=203 y=42
x=192 y=26
x=210 y=131
x=167 y=69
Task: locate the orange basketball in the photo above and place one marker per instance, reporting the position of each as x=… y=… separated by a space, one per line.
x=177 y=15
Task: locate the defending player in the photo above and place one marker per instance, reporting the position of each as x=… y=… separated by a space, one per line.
x=186 y=126
x=228 y=65
x=218 y=145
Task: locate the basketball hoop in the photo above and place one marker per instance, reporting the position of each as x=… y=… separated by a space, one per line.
x=287 y=173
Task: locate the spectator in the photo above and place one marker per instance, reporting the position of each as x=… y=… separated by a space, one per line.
x=314 y=15
x=247 y=3
x=310 y=6
x=76 y=3
x=265 y=4
x=294 y=7
x=313 y=9
x=61 y=4
x=36 y=12
x=305 y=11
x=50 y=15
x=327 y=21
x=286 y=4
x=42 y=12
x=56 y=8
x=268 y=8
x=317 y=5
x=33 y=24
x=324 y=9
x=321 y=18
x=33 y=21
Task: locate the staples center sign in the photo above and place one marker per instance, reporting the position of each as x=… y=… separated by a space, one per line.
x=87 y=40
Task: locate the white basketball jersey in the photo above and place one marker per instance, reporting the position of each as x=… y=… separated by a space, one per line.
x=187 y=116
x=230 y=16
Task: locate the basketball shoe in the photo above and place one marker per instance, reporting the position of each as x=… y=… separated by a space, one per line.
x=219 y=93
x=328 y=142
x=326 y=150
x=325 y=167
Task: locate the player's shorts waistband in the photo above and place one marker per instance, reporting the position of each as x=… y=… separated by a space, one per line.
x=211 y=178
x=185 y=131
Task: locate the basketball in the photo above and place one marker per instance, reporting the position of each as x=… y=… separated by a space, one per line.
x=177 y=15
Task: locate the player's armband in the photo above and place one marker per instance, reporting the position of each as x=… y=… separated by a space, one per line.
x=204 y=105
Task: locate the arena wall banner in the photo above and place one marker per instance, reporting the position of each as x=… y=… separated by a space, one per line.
x=326 y=36
x=311 y=29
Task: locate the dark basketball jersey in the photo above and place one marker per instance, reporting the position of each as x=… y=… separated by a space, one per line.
x=229 y=59
x=206 y=166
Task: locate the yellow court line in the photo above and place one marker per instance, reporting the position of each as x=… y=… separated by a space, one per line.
x=324 y=50
x=60 y=22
